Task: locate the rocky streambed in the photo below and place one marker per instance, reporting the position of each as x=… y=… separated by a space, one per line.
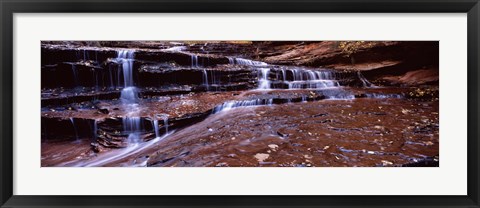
x=196 y=105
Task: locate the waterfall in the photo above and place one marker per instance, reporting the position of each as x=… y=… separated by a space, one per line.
x=74 y=129
x=165 y=122
x=129 y=93
x=155 y=127
x=85 y=54
x=112 y=82
x=243 y=103
x=95 y=130
x=126 y=58
x=75 y=75
x=341 y=97
x=194 y=61
x=129 y=96
x=176 y=48
x=164 y=117
x=132 y=126
x=263 y=82
x=231 y=60
x=307 y=79
x=205 y=78
x=242 y=61
x=364 y=80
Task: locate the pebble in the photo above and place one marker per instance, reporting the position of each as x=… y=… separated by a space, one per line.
x=274 y=147
x=261 y=156
x=386 y=162
x=222 y=164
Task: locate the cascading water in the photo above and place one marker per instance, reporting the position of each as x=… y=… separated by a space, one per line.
x=129 y=96
x=165 y=124
x=308 y=79
x=194 y=61
x=112 y=82
x=364 y=80
x=242 y=61
x=126 y=58
x=194 y=64
x=75 y=75
x=383 y=96
x=263 y=82
x=163 y=117
x=85 y=54
x=205 y=78
x=132 y=126
x=74 y=129
x=176 y=48
x=95 y=129
x=243 y=103
x=156 y=128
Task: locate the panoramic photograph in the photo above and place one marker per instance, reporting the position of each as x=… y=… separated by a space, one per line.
x=239 y=103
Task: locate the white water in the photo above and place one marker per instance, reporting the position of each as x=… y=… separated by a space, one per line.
x=205 y=78
x=243 y=103
x=132 y=126
x=308 y=79
x=163 y=117
x=341 y=97
x=383 y=96
x=156 y=127
x=126 y=58
x=129 y=95
x=176 y=48
x=85 y=54
x=194 y=59
x=263 y=82
x=116 y=155
x=242 y=61
x=165 y=123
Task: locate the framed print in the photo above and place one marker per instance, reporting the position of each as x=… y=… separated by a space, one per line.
x=243 y=104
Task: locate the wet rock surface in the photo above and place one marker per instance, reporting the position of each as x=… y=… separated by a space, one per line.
x=201 y=104
x=321 y=133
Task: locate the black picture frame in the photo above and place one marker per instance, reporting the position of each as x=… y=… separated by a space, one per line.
x=10 y=7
